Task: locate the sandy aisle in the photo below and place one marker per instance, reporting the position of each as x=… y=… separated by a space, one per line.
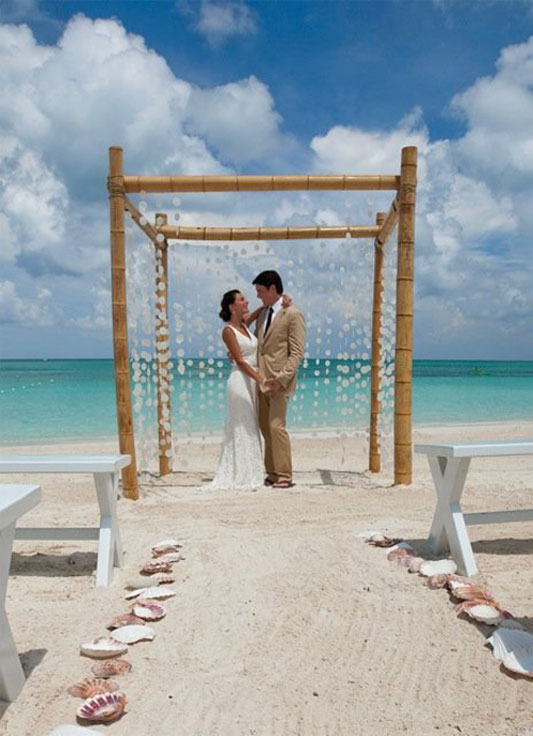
x=284 y=622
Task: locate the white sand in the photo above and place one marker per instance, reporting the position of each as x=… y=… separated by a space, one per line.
x=284 y=621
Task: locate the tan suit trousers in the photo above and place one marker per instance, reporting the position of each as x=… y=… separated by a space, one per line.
x=272 y=420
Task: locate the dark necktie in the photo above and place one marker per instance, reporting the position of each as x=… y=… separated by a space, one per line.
x=269 y=320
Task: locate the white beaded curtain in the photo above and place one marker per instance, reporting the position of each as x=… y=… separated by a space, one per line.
x=330 y=281
x=388 y=343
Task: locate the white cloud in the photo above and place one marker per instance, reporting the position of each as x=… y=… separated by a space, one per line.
x=220 y=21
x=26 y=312
x=238 y=119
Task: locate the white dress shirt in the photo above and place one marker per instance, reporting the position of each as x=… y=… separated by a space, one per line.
x=276 y=307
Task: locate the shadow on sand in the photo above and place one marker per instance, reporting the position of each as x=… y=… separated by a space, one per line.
x=54 y=565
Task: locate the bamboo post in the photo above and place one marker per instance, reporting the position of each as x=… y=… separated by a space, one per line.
x=374 y=462
x=180 y=232
x=162 y=342
x=120 y=321
x=403 y=460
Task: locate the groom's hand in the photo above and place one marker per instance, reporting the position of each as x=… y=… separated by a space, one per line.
x=273 y=385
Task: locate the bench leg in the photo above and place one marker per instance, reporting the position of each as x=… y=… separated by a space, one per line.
x=109 y=544
x=11 y=674
x=448 y=530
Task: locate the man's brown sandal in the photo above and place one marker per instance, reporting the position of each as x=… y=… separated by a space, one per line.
x=283 y=484
x=269 y=482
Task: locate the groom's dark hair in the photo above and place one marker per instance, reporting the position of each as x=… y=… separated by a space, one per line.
x=269 y=278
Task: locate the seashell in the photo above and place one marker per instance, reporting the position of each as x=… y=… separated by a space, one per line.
x=416 y=562
x=87 y=688
x=132 y=633
x=103 y=648
x=485 y=613
x=439 y=567
x=437 y=581
x=380 y=540
x=139 y=581
x=111 y=667
x=123 y=619
x=156 y=593
x=472 y=593
x=170 y=558
x=104 y=708
x=514 y=649
x=134 y=593
x=166 y=545
x=161 y=578
x=458 y=581
x=405 y=561
x=157 y=565
x=149 y=611
x=66 y=729
x=398 y=552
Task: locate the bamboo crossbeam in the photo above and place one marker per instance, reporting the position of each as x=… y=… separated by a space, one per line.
x=147 y=228
x=259 y=183
x=267 y=233
x=389 y=223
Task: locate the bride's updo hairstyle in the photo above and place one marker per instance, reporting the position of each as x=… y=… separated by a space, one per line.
x=227 y=299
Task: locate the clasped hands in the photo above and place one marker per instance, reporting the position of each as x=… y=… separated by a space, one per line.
x=272 y=384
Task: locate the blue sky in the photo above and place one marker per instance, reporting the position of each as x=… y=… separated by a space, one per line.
x=327 y=86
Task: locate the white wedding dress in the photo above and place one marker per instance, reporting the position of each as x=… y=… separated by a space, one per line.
x=241 y=458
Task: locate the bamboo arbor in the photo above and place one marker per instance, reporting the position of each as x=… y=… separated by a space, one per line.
x=401 y=212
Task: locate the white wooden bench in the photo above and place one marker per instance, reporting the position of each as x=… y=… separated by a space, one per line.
x=15 y=500
x=105 y=470
x=449 y=463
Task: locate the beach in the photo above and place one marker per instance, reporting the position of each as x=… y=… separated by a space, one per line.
x=284 y=620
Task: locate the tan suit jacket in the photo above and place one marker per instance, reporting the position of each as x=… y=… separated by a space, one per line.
x=280 y=352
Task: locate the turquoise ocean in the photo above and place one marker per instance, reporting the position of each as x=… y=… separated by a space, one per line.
x=47 y=400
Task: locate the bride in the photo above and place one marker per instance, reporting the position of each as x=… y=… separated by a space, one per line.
x=241 y=458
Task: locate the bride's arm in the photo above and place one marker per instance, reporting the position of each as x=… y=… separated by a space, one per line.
x=249 y=318
x=234 y=350
x=252 y=316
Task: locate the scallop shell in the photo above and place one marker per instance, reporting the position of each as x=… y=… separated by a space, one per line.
x=133 y=633
x=380 y=540
x=103 y=648
x=166 y=545
x=437 y=581
x=157 y=565
x=134 y=593
x=170 y=558
x=103 y=708
x=87 y=688
x=139 y=581
x=416 y=563
x=123 y=619
x=398 y=552
x=156 y=593
x=472 y=593
x=66 y=729
x=111 y=667
x=485 y=613
x=439 y=567
x=149 y=611
x=162 y=578
x=405 y=561
x=458 y=581
x=514 y=649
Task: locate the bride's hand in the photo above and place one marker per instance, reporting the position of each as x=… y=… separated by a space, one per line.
x=286 y=301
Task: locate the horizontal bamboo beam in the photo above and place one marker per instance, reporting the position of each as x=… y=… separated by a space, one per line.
x=389 y=224
x=267 y=233
x=259 y=183
x=137 y=216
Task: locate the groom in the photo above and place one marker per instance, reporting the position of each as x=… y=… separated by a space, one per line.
x=281 y=340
